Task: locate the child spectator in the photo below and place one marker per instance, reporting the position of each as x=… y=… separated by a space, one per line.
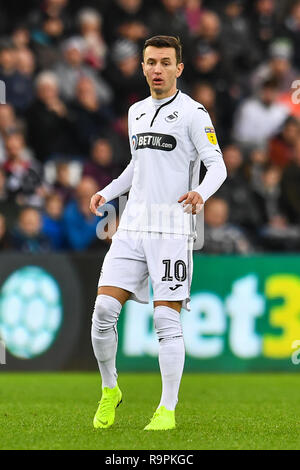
x=27 y=236
x=52 y=221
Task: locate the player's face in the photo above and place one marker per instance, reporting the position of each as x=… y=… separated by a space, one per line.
x=161 y=70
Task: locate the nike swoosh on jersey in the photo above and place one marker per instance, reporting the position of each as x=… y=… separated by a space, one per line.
x=176 y=287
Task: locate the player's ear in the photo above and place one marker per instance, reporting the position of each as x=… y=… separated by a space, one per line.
x=143 y=67
x=180 y=68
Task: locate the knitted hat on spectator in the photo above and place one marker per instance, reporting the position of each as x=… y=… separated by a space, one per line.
x=281 y=49
x=124 y=49
x=74 y=42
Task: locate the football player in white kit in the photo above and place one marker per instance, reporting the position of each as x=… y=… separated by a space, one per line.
x=170 y=134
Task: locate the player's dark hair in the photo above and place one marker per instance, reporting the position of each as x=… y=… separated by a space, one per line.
x=166 y=41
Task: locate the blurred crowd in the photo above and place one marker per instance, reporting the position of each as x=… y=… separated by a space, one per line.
x=72 y=69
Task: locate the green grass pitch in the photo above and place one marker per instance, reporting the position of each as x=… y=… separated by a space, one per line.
x=215 y=411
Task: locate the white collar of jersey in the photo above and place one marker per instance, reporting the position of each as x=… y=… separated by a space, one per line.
x=163 y=100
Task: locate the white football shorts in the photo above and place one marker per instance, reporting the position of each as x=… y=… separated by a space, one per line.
x=166 y=259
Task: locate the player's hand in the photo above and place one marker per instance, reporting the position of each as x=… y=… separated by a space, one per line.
x=193 y=202
x=97 y=201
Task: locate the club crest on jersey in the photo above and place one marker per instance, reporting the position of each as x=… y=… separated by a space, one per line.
x=172 y=117
x=211 y=135
x=134 y=141
x=155 y=141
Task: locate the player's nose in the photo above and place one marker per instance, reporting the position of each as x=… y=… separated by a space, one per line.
x=157 y=69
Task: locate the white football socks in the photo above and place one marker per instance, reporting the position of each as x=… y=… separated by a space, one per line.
x=171 y=353
x=105 y=337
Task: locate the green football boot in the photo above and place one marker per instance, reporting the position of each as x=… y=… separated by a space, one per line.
x=105 y=414
x=162 y=420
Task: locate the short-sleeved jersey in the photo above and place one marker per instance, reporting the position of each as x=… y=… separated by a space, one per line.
x=168 y=140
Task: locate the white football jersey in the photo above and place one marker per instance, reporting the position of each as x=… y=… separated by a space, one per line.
x=168 y=140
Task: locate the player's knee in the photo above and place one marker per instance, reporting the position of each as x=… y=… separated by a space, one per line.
x=106 y=312
x=167 y=322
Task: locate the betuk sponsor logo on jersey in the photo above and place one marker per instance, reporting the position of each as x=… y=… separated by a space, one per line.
x=154 y=141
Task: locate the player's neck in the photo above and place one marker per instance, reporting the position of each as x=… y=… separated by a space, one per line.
x=159 y=96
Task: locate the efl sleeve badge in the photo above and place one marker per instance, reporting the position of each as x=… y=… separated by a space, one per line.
x=211 y=135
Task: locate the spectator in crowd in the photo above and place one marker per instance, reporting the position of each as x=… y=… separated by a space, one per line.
x=237 y=193
x=126 y=19
x=219 y=235
x=193 y=10
x=169 y=19
x=7 y=123
x=119 y=136
x=21 y=36
x=18 y=86
x=255 y=166
x=49 y=25
x=268 y=194
x=204 y=93
x=282 y=145
x=125 y=75
x=52 y=221
x=235 y=35
x=279 y=236
x=62 y=184
x=263 y=25
x=8 y=207
x=206 y=63
x=101 y=167
x=95 y=51
x=221 y=116
x=79 y=223
x=3 y=190
x=23 y=174
x=291 y=29
x=290 y=187
x=278 y=66
x=5 y=242
x=209 y=29
x=259 y=118
x=72 y=67
x=27 y=236
x=52 y=134
x=26 y=65
x=89 y=117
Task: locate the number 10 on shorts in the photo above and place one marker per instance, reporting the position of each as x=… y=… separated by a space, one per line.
x=179 y=270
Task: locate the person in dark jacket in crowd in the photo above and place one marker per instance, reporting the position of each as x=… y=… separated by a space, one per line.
x=219 y=235
x=27 y=235
x=49 y=130
x=52 y=221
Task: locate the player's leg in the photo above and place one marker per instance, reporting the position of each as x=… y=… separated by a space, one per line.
x=122 y=274
x=108 y=305
x=171 y=355
x=171 y=350
x=170 y=274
